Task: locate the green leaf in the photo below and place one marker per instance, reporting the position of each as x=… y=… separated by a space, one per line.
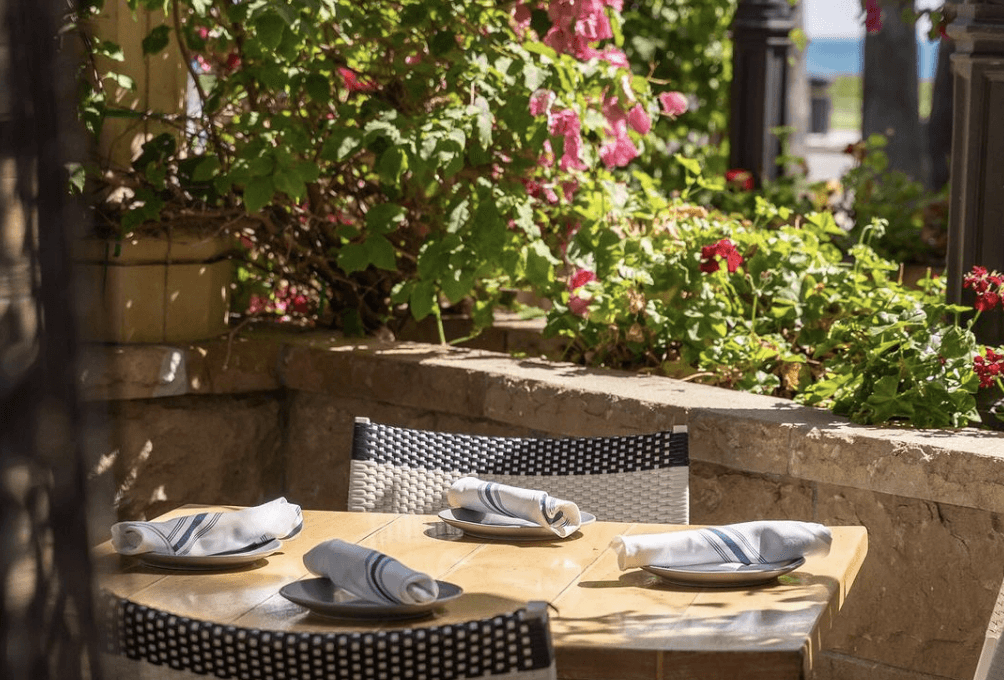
x=443 y=43
x=288 y=182
x=354 y=257
x=381 y=253
x=342 y=143
x=318 y=87
x=206 y=169
x=384 y=217
x=392 y=164
x=258 y=193
x=269 y=27
x=157 y=39
x=422 y=300
x=692 y=166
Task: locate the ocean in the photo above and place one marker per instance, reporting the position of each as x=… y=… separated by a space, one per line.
x=843 y=56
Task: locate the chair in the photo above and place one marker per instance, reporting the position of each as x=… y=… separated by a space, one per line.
x=630 y=478
x=991 y=663
x=141 y=642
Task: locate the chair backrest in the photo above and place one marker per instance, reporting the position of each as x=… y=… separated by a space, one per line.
x=991 y=663
x=630 y=478
x=138 y=639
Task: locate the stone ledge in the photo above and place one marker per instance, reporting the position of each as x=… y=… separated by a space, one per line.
x=746 y=432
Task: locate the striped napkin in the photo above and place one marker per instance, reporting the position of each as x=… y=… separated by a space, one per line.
x=211 y=533
x=733 y=546
x=369 y=574
x=562 y=517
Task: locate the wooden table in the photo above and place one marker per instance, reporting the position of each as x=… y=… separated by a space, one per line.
x=607 y=623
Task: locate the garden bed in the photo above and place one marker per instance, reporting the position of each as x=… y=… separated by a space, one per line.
x=271 y=413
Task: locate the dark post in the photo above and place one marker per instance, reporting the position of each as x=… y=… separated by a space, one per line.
x=976 y=201
x=760 y=49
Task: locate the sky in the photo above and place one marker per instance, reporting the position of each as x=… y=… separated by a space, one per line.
x=844 y=18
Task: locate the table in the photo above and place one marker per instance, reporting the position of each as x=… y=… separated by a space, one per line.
x=606 y=623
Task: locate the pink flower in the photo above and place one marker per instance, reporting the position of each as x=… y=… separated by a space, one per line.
x=724 y=249
x=540 y=102
x=614 y=56
x=202 y=32
x=618 y=152
x=673 y=103
x=521 y=17
x=739 y=179
x=565 y=123
x=873 y=16
x=352 y=81
x=638 y=119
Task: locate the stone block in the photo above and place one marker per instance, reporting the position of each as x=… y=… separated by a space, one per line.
x=719 y=495
x=923 y=597
x=162 y=453
x=761 y=446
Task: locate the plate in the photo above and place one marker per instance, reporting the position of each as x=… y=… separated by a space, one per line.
x=488 y=525
x=323 y=597
x=716 y=575
x=207 y=562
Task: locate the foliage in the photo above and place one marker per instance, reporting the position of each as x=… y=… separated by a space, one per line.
x=385 y=156
x=685 y=44
x=794 y=318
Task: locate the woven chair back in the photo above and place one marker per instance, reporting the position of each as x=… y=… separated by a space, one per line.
x=631 y=478
x=142 y=642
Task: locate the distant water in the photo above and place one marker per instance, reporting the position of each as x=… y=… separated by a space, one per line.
x=844 y=56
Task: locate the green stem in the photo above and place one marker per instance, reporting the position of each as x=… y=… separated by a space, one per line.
x=438 y=313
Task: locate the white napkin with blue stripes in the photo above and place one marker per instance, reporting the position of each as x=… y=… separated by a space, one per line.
x=561 y=516
x=369 y=574
x=211 y=533
x=733 y=546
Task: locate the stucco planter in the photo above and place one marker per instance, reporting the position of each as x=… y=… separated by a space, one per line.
x=153 y=288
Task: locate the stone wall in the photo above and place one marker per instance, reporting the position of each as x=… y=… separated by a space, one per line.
x=237 y=422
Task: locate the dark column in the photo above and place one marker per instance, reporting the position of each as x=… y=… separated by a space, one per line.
x=760 y=49
x=976 y=205
x=889 y=92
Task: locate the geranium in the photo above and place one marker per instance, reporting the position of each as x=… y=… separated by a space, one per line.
x=724 y=250
x=987 y=287
x=873 y=16
x=988 y=367
x=738 y=178
x=577 y=304
x=353 y=83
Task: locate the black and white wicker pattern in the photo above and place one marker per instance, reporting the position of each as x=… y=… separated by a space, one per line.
x=625 y=478
x=516 y=645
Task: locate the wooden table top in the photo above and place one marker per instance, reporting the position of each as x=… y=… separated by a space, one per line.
x=607 y=623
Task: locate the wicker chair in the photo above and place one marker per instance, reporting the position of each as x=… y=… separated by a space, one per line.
x=991 y=663
x=633 y=478
x=148 y=644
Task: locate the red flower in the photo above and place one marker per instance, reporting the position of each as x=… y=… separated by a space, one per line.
x=873 y=16
x=986 y=285
x=988 y=367
x=579 y=305
x=738 y=178
x=724 y=250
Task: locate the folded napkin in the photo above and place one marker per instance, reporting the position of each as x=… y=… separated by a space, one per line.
x=369 y=574
x=732 y=546
x=562 y=517
x=210 y=533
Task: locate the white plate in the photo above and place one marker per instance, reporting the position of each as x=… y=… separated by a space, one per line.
x=717 y=575
x=208 y=562
x=323 y=597
x=488 y=525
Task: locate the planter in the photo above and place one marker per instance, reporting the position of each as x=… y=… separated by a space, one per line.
x=155 y=288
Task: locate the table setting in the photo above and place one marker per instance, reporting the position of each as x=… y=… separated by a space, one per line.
x=350 y=581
